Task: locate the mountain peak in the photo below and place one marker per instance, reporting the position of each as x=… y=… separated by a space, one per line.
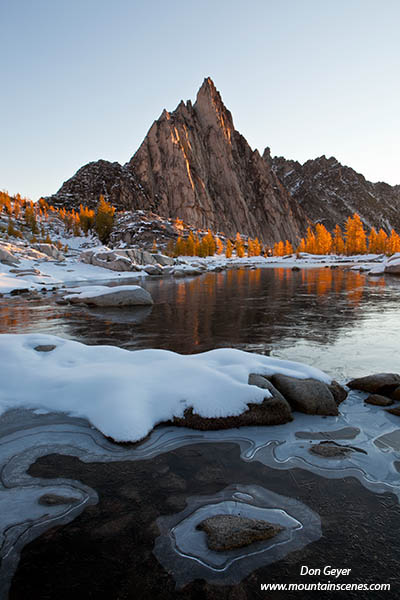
x=211 y=110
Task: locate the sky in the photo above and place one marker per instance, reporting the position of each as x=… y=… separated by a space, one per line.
x=85 y=79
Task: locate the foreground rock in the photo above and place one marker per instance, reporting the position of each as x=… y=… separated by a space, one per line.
x=378 y=400
x=226 y=532
x=123 y=295
x=309 y=396
x=394 y=411
x=272 y=411
x=379 y=383
x=330 y=450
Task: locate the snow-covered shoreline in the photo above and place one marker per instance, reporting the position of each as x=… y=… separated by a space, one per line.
x=125 y=394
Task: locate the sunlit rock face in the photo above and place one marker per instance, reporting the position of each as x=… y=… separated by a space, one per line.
x=193 y=164
x=329 y=192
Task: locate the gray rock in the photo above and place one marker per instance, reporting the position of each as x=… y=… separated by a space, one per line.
x=49 y=250
x=8 y=258
x=378 y=400
x=164 y=261
x=226 y=532
x=153 y=269
x=379 y=383
x=309 y=396
x=120 y=297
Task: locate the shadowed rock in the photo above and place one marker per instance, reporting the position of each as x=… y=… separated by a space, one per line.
x=226 y=532
x=346 y=433
x=379 y=383
x=394 y=411
x=333 y=450
x=378 y=400
x=396 y=394
x=338 y=392
x=309 y=396
x=271 y=411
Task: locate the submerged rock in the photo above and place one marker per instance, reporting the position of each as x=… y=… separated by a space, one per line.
x=378 y=400
x=378 y=383
x=330 y=450
x=309 y=396
x=56 y=499
x=226 y=532
x=45 y=348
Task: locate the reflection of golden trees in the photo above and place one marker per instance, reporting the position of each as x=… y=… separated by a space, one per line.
x=228 y=308
x=320 y=282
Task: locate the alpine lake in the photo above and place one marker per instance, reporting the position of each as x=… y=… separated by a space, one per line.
x=130 y=528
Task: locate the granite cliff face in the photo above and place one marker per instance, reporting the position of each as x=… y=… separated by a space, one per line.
x=194 y=165
x=329 y=192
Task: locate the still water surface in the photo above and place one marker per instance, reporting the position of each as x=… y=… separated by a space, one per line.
x=344 y=322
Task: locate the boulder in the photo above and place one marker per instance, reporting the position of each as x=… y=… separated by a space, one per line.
x=112 y=262
x=164 y=261
x=378 y=400
x=394 y=411
x=7 y=258
x=337 y=391
x=395 y=395
x=272 y=411
x=226 y=532
x=309 y=396
x=124 y=295
x=379 y=383
x=153 y=269
x=49 y=250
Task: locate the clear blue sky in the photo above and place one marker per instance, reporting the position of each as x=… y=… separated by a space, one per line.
x=84 y=79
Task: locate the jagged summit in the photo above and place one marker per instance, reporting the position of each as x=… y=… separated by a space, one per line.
x=193 y=164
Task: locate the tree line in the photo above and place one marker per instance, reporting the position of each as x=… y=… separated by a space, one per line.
x=35 y=214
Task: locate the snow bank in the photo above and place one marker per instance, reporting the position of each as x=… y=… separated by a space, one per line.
x=125 y=394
